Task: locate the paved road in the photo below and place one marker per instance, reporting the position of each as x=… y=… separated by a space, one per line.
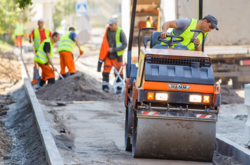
x=94 y=132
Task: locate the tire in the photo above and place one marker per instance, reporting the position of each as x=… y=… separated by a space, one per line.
x=236 y=83
x=128 y=130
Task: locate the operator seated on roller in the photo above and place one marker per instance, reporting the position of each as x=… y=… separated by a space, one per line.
x=183 y=26
x=43 y=58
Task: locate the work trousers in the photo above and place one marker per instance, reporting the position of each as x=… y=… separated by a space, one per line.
x=66 y=60
x=18 y=41
x=47 y=74
x=108 y=63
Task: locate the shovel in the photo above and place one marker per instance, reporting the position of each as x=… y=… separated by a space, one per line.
x=77 y=58
x=61 y=103
x=60 y=75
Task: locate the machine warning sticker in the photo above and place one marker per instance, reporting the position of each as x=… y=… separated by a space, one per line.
x=179 y=86
x=204 y=116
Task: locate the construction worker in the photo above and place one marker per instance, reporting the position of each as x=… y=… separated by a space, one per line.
x=43 y=59
x=149 y=22
x=65 y=50
x=113 y=46
x=38 y=35
x=19 y=31
x=183 y=26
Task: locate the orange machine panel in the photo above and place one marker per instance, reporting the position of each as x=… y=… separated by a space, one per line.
x=164 y=86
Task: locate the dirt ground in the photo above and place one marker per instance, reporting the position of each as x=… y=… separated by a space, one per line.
x=79 y=87
x=19 y=138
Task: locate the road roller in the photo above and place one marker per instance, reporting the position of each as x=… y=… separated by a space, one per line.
x=172 y=101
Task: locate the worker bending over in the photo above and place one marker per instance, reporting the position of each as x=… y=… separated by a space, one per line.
x=65 y=50
x=113 y=46
x=183 y=26
x=43 y=58
x=19 y=31
x=38 y=35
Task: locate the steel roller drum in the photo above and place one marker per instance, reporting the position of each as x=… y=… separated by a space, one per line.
x=174 y=139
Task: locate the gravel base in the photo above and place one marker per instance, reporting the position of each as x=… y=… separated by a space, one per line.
x=21 y=123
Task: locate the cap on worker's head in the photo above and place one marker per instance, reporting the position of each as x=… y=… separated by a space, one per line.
x=40 y=20
x=111 y=21
x=212 y=20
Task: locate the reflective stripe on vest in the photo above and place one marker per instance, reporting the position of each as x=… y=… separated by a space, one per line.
x=148 y=24
x=118 y=41
x=19 y=29
x=188 y=35
x=37 y=39
x=66 y=44
x=41 y=56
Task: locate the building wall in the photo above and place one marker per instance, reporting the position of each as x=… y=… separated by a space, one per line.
x=100 y=11
x=43 y=9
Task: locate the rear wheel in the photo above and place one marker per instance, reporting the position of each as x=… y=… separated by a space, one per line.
x=134 y=136
x=128 y=125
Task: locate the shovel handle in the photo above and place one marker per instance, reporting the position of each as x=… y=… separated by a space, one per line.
x=78 y=58
x=82 y=102
x=60 y=75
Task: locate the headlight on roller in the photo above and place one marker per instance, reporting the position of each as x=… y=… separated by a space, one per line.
x=195 y=98
x=161 y=96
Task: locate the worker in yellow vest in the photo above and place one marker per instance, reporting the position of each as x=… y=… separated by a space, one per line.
x=111 y=53
x=183 y=26
x=43 y=58
x=149 y=22
x=19 y=31
x=65 y=50
x=38 y=35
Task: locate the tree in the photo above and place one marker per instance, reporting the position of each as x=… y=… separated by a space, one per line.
x=24 y=3
x=63 y=8
x=10 y=13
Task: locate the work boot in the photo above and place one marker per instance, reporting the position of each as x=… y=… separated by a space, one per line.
x=118 y=90
x=105 y=82
x=64 y=76
x=38 y=87
x=105 y=88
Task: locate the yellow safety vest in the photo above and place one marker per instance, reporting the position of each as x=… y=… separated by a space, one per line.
x=118 y=41
x=19 y=29
x=148 y=24
x=188 y=35
x=41 y=56
x=66 y=44
x=37 y=38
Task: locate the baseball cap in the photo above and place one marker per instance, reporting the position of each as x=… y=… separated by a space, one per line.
x=40 y=20
x=111 y=21
x=212 y=20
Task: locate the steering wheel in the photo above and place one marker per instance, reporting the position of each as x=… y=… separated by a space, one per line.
x=171 y=42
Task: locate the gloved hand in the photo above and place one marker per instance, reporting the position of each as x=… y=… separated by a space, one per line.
x=81 y=52
x=99 y=66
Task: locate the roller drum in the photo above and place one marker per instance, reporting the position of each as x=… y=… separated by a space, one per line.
x=174 y=139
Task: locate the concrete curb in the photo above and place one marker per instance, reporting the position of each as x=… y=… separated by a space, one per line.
x=229 y=148
x=53 y=156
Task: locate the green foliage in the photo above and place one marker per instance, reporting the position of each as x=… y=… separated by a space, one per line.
x=63 y=8
x=4 y=45
x=10 y=14
x=24 y=3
